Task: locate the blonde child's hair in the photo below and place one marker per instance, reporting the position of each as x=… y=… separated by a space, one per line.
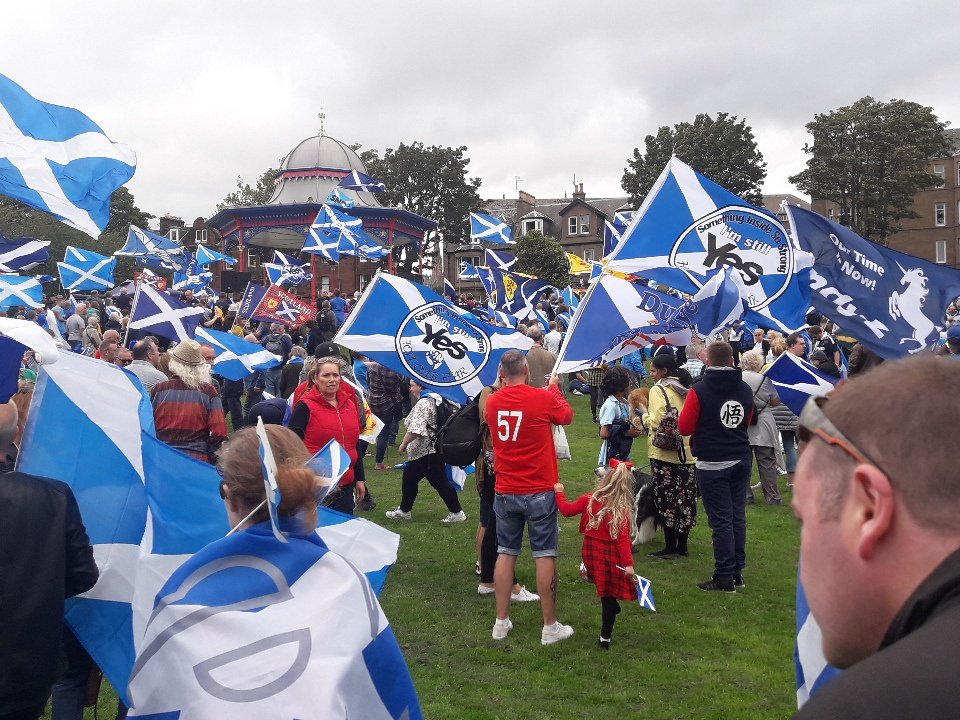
x=617 y=499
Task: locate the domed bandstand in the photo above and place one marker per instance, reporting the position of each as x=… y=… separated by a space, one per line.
x=307 y=175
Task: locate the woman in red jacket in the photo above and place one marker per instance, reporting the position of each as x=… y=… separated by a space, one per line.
x=328 y=410
x=607 y=518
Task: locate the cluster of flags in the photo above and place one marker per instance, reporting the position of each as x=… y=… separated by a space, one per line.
x=274 y=304
x=334 y=232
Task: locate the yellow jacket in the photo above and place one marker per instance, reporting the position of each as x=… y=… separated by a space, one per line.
x=651 y=420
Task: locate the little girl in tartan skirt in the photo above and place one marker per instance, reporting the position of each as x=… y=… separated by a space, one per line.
x=607 y=519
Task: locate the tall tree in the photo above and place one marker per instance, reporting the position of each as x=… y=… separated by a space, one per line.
x=432 y=182
x=245 y=195
x=723 y=149
x=540 y=255
x=871 y=159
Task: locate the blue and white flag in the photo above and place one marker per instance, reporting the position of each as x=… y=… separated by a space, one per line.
x=190 y=278
x=688 y=225
x=645 y=594
x=485 y=276
x=516 y=294
x=457 y=476
x=570 y=298
x=363 y=183
x=812 y=669
x=334 y=233
x=330 y=462
x=893 y=303
x=58 y=160
x=797 y=381
x=468 y=271
x=490 y=229
x=16 y=337
x=339 y=197
x=235 y=357
x=268 y=466
x=615 y=318
x=163 y=314
x=22 y=254
x=613 y=231
x=43 y=279
x=499 y=259
x=86 y=270
x=205 y=256
x=449 y=290
x=718 y=304
x=415 y=332
x=20 y=291
x=285 y=270
x=153 y=250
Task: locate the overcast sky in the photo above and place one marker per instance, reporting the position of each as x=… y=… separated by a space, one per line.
x=206 y=91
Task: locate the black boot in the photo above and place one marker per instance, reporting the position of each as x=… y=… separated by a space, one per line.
x=670 y=551
x=682 y=543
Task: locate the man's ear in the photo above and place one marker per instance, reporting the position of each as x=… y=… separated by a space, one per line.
x=870 y=508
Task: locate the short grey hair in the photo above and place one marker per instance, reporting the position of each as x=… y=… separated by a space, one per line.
x=513 y=363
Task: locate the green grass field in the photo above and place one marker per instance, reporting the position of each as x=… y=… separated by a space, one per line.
x=702 y=655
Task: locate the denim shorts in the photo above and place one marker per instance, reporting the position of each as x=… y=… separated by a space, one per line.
x=538 y=512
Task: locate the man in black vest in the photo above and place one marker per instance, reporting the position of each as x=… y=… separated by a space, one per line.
x=716 y=413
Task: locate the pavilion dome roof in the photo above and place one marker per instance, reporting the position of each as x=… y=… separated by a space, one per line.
x=313 y=168
x=322 y=151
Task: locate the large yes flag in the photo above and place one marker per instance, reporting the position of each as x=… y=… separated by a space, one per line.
x=893 y=303
x=415 y=332
x=491 y=229
x=58 y=160
x=86 y=270
x=688 y=226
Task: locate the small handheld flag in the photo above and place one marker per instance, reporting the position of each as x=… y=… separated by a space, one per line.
x=331 y=461
x=269 y=466
x=644 y=591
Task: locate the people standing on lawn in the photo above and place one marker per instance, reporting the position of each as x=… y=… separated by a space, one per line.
x=616 y=431
x=607 y=519
x=520 y=418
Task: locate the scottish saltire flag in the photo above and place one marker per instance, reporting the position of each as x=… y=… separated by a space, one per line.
x=20 y=291
x=688 y=225
x=205 y=256
x=359 y=181
x=718 y=304
x=615 y=318
x=58 y=160
x=485 y=276
x=330 y=462
x=892 y=302
x=613 y=231
x=22 y=254
x=189 y=279
x=500 y=259
x=43 y=279
x=645 y=594
x=449 y=290
x=577 y=264
x=235 y=357
x=285 y=270
x=370 y=249
x=516 y=294
x=468 y=271
x=268 y=466
x=812 y=669
x=339 y=197
x=164 y=315
x=457 y=476
x=490 y=229
x=797 y=381
x=415 y=332
x=334 y=233
x=570 y=298
x=86 y=270
x=161 y=251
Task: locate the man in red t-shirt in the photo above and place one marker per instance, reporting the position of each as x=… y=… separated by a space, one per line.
x=520 y=418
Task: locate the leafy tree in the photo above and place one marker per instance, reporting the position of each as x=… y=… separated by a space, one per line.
x=540 y=255
x=245 y=195
x=723 y=149
x=871 y=159
x=432 y=182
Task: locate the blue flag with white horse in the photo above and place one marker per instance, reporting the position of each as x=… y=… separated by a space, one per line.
x=893 y=303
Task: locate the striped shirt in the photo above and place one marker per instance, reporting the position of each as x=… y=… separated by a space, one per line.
x=190 y=420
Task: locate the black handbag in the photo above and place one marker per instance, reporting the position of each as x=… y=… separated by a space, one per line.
x=667 y=436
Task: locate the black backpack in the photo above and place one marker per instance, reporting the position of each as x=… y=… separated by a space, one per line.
x=459 y=439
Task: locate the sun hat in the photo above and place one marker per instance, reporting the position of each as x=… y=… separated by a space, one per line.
x=188 y=353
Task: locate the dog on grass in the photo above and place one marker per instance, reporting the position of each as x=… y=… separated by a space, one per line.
x=644 y=506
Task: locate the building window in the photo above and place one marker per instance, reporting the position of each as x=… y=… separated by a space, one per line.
x=584 y=224
x=572 y=225
x=174 y=234
x=830 y=213
x=938 y=171
x=941 y=251
x=940 y=214
x=201 y=236
x=536 y=224
x=473 y=260
x=589 y=255
x=253 y=260
x=325 y=283
x=364 y=281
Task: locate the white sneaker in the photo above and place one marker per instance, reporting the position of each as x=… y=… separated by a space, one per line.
x=453 y=518
x=398 y=514
x=524 y=595
x=555 y=633
x=502 y=628
x=577 y=392
x=484 y=590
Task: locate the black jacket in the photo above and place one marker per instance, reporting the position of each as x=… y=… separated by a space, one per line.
x=45 y=557
x=914 y=673
x=726 y=403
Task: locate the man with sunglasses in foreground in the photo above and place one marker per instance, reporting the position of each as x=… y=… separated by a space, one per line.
x=878 y=497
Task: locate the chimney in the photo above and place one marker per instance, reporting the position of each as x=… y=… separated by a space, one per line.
x=578 y=192
x=525 y=203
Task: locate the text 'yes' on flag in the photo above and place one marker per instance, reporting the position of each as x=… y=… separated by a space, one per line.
x=415 y=332
x=688 y=226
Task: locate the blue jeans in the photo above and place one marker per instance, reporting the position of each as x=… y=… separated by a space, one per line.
x=724 y=494
x=390 y=419
x=789 y=438
x=70 y=691
x=273 y=381
x=538 y=512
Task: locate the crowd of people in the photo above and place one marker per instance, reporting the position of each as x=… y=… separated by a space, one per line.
x=706 y=409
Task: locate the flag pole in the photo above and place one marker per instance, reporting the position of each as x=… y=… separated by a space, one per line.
x=133 y=310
